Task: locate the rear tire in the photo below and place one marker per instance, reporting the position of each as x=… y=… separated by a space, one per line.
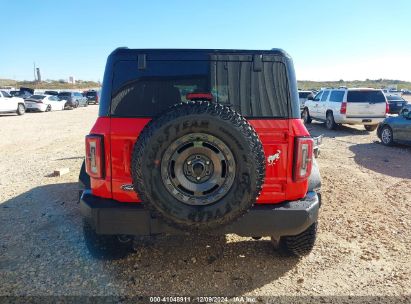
x=301 y=244
x=387 y=136
x=106 y=247
x=21 y=109
x=370 y=128
x=306 y=116
x=330 y=122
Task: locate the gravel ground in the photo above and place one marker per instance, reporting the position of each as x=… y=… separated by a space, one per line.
x=363 y=246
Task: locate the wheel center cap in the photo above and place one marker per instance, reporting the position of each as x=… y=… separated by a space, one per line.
x=198 y=168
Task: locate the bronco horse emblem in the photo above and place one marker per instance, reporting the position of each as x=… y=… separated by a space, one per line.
x=272 y=159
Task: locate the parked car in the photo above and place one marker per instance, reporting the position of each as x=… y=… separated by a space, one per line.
x=92 y=97
x=200 y=164
x=55 y=93
x=366 y=107
x=396 y=129
x=44 y=103
x=11 y=104
x=20 y=94
x=395 y=103
x=392 y=92
x=73 y=99
x=303 y=96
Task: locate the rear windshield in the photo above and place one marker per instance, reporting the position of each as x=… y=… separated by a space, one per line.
x=304 y=94
x=394 y=98
x=91 y=94
x=148 y=92
x=365 y=96
x=37 y=96
x=65 y=94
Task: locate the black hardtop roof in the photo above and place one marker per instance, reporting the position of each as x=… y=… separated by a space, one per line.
x=128 y=51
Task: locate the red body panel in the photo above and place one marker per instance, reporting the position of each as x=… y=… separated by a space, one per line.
x=277 y=136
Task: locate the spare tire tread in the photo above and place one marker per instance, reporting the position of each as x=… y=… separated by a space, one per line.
x=195 y=108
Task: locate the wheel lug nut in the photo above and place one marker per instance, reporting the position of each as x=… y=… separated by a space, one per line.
x=197 y=156
x=207 y=162
x=198 y=177
x=189 y=162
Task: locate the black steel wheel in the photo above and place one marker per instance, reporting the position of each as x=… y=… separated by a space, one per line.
x=329 y=121
x=306 y=116
x=198 y=169
x=198 y=166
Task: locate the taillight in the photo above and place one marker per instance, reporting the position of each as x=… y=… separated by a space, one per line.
x=343 y=109
x=94 y=156
x=96 y=98
x=303 y=158
x=387 y=108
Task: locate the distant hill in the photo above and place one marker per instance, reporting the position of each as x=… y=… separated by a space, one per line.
x=378 y=84
x=53 y=84
x=302 y=84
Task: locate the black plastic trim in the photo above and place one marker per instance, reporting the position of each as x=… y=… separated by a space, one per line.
x=111 y=217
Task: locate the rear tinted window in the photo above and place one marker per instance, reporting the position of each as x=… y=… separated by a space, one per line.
x=365 y=96
x=304 y=94
x=37 y=97
x=148 y=92
x=394 y=98
x=337 y=96
x=91 y=94
x=64 y=94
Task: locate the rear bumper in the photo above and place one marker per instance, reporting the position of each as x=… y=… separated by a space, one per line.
x=107 y=216
x=36 y=108
x=342 y=119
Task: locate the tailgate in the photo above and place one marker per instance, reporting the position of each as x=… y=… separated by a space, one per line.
x=366 y=104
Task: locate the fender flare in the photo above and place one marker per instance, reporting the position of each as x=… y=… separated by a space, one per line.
x=314 y=181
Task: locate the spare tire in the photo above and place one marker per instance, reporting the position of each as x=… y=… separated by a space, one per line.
x=198 y=166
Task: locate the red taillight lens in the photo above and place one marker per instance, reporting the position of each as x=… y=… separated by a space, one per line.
x=387 y=108
x=343 y=109
x=94 y=156
x=96 y=98
x=303 y=158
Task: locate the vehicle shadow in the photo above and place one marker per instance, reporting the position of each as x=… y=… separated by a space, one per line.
x=385 y=160
x=43 y=251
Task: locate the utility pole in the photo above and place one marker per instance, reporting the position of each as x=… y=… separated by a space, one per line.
x=34 y=71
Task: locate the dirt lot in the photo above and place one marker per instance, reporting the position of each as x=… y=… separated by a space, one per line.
x=364 y=233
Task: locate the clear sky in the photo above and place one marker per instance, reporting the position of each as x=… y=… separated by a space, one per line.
x=328 y=40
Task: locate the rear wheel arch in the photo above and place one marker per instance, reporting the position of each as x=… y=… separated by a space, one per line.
x=386 y=126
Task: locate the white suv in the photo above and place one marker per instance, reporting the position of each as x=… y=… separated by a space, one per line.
x=366 y=107
x=10 y=104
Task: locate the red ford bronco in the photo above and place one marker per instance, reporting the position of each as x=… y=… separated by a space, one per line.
x=207 y=141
